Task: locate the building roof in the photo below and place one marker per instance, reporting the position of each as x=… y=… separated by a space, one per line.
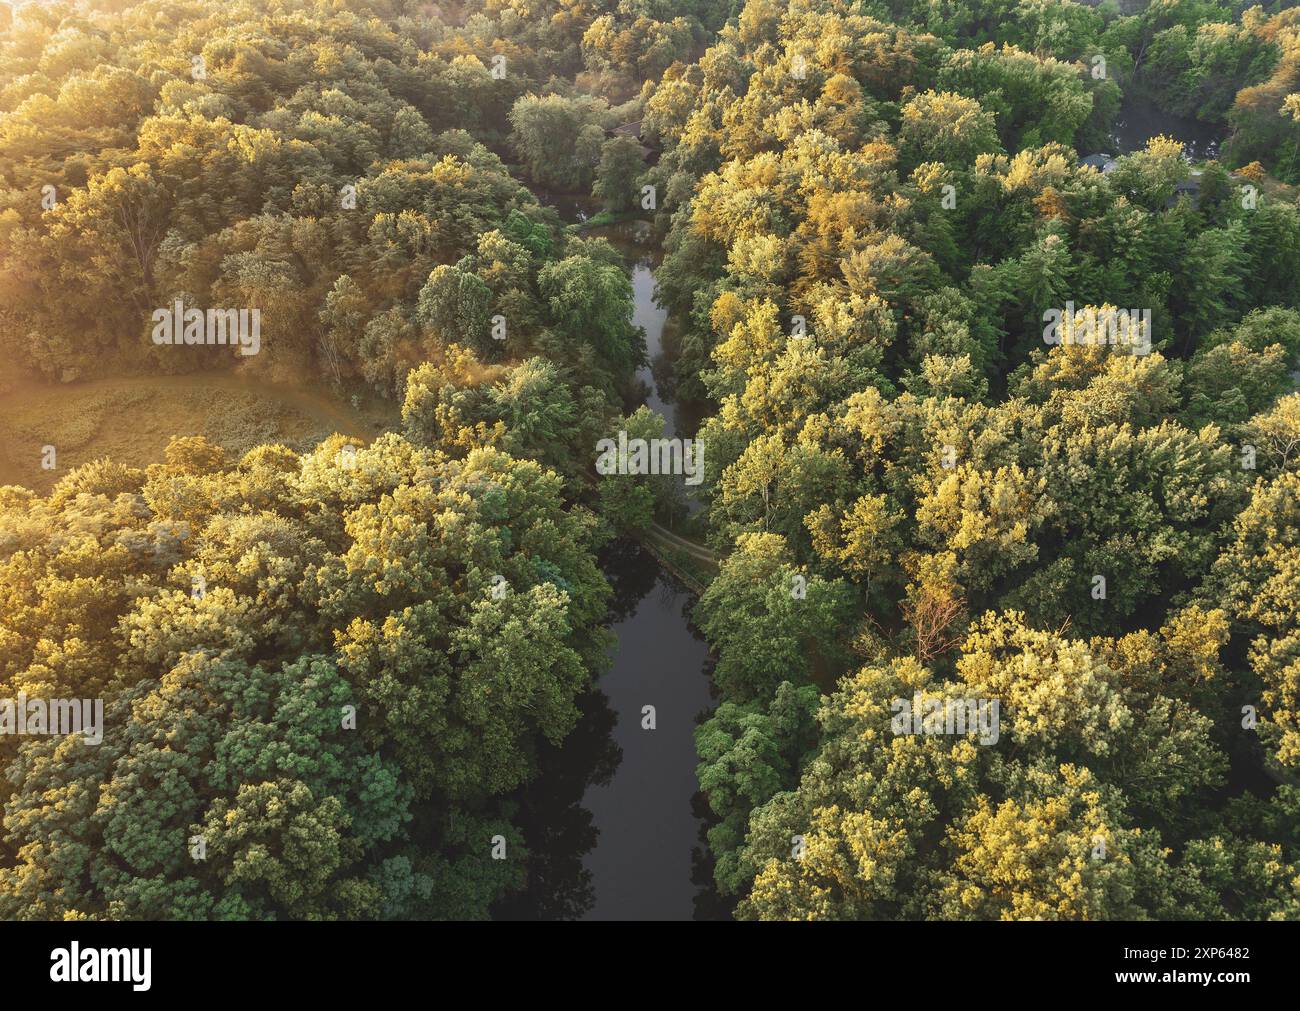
x=1101 y=162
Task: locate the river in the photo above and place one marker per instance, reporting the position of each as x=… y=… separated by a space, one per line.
x=636 y=241
x=615 y=824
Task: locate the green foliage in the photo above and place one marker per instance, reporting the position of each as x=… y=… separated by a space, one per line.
x=864 y=255
x=327 y=583
x=766 y=619
x=748 y=754
x=559 y=139
x=620 y=167
x=868 y=213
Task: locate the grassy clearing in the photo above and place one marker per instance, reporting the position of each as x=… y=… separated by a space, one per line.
x=132 y=420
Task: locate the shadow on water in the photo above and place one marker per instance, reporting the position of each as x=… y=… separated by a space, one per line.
x=572 y=207
x=615 y=824
x=557 y=829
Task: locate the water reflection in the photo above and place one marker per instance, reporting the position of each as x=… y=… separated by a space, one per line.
x=558 y=830
x=615 y=825
x=642 y=865
x=637 y=241
x=572 y=207
x=1138 y=120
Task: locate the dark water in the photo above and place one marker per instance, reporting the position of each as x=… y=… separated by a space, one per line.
x=652 y=318
x=640 y=248
x=572 y=207
x=642 y=866
x=614 y=825
x=1139 y=120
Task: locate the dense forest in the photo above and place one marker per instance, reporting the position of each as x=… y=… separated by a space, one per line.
x=332 y=674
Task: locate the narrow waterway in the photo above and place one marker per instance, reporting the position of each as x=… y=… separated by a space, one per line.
x=616 y=824
x=637 y=241
x=645 y=862
x=642 y=866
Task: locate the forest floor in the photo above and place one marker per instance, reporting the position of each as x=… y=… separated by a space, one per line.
x=131 y=419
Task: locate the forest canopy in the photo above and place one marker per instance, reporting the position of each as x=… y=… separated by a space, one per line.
x=341 y=667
